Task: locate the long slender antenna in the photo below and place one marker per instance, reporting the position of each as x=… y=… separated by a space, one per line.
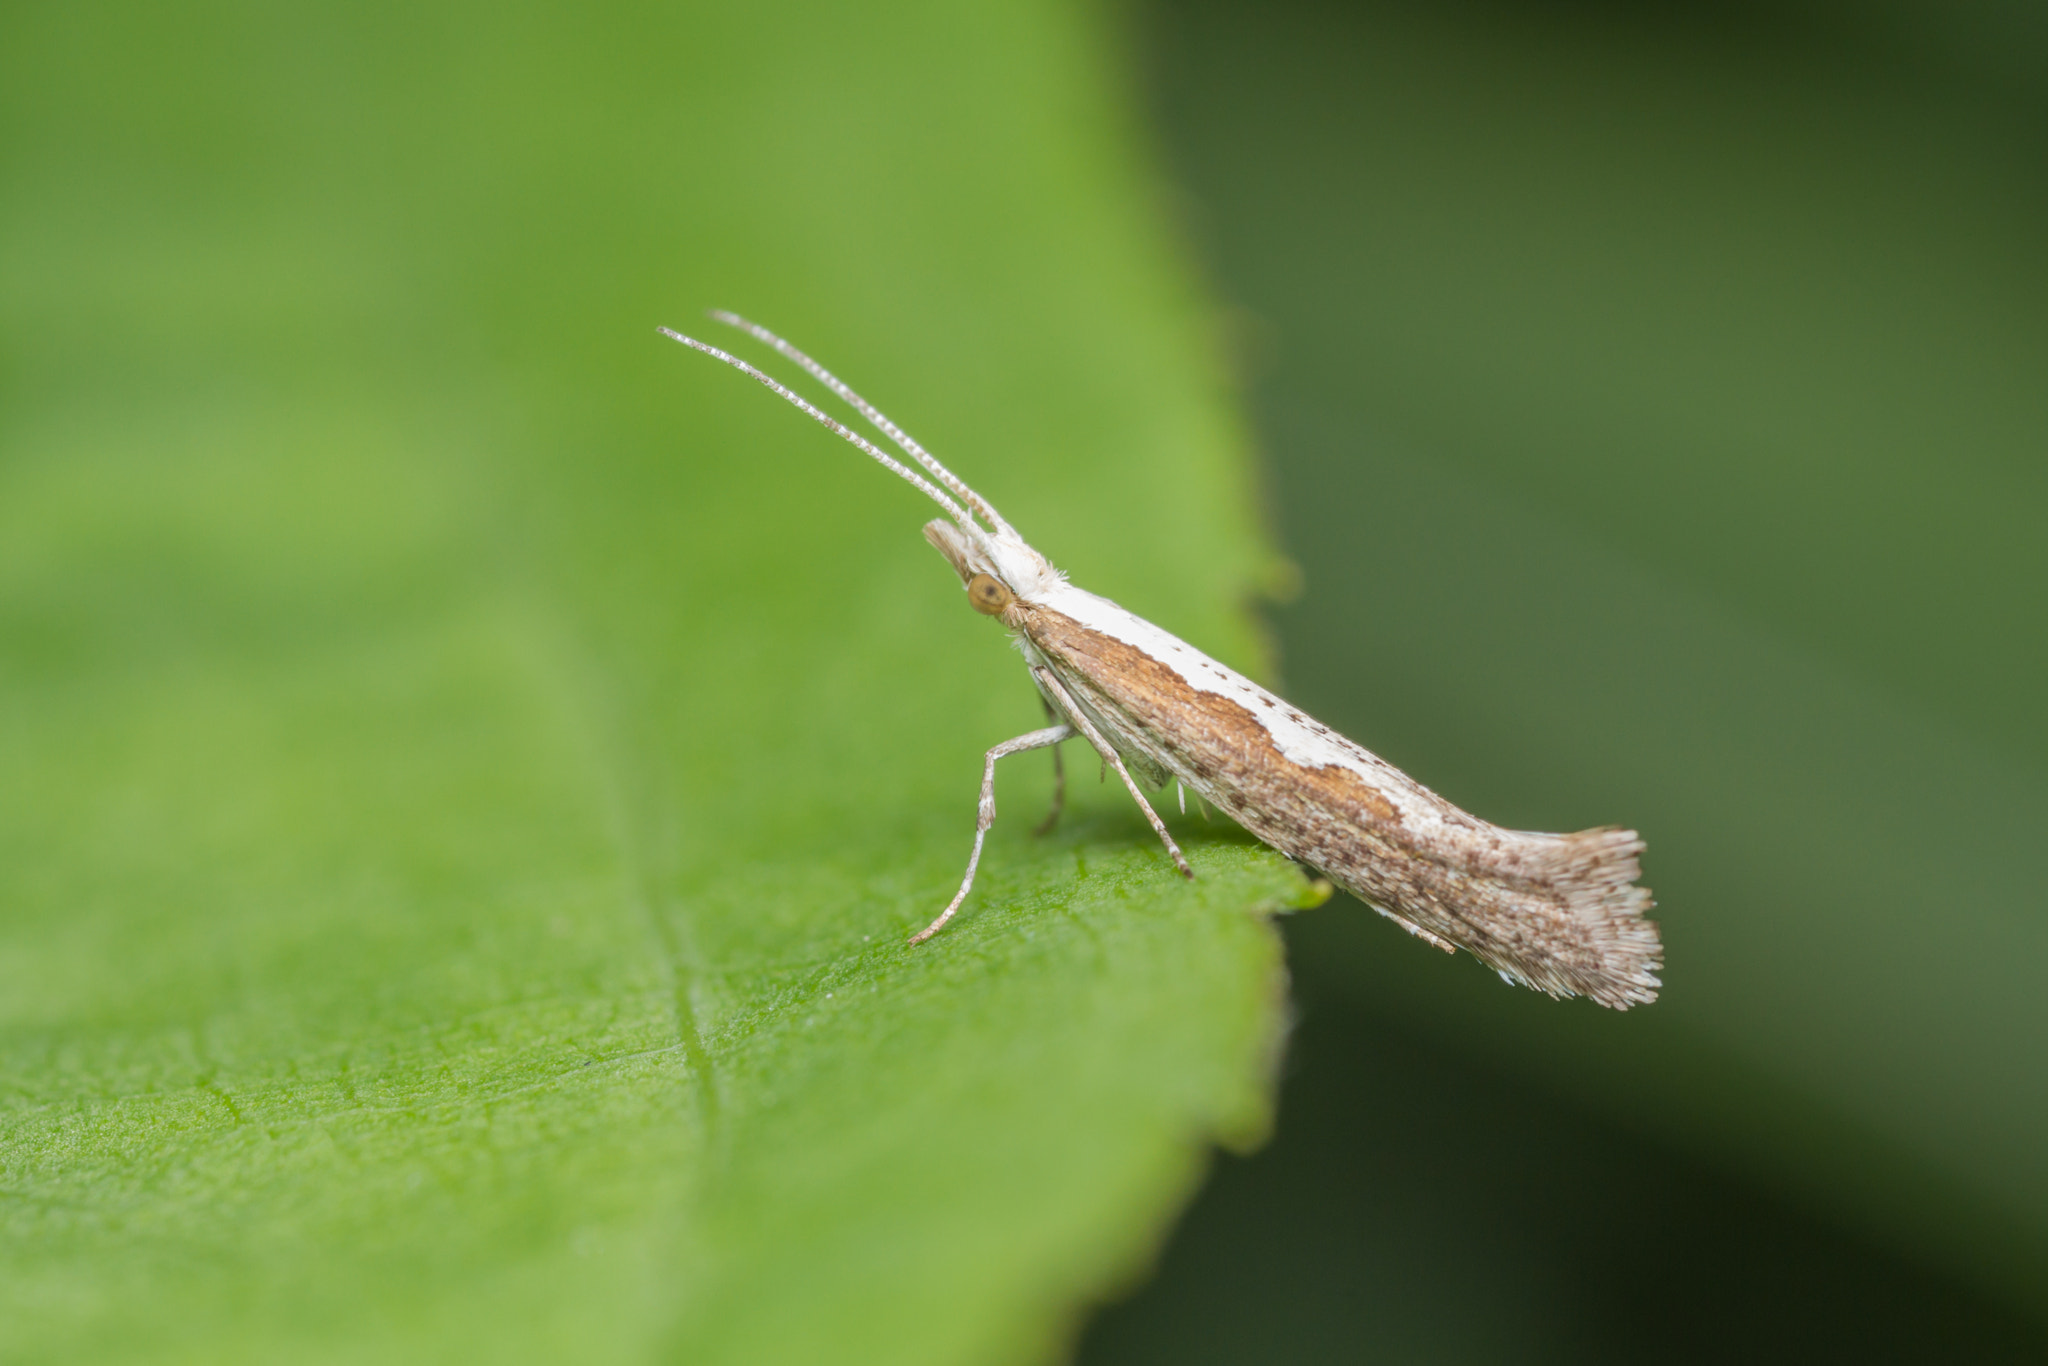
x=883 y=457
x=873 y=414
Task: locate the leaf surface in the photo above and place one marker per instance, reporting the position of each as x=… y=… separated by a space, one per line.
x=468 y=766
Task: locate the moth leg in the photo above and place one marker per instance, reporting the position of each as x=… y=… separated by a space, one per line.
x=1037 y=739
x=1109 y=755
x=1059 y=782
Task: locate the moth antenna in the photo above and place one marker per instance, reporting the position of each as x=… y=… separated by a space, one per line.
x=881 y=456
x=873 y=414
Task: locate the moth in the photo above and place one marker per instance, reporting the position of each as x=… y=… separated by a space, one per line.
x=1557 y=912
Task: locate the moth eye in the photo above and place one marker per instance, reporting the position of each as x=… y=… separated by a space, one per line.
x=988 y=595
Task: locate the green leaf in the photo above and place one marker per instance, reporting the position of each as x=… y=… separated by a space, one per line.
x=468 y=766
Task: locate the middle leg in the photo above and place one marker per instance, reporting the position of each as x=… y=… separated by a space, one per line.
x=1109 y=756
x=1059 y=781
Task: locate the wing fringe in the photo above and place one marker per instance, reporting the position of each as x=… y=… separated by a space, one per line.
x=1611 y=951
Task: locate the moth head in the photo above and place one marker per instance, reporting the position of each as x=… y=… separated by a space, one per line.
x=995 y=569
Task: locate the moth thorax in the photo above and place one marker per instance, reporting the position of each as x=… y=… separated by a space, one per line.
x=988 y=594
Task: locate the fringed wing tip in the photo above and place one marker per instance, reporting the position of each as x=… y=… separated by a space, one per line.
x=1597 y=943
x=1597 y=877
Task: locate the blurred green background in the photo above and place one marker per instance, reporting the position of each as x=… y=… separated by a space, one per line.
x=1655 y=398
x=461 y=756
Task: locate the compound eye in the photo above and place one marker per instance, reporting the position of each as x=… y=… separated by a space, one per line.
x=988 y=595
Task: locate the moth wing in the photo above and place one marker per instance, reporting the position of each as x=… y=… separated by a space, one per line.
x=1561 y=913
x=1145 y=768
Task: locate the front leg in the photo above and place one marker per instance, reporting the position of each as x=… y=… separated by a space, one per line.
x=1037 y=739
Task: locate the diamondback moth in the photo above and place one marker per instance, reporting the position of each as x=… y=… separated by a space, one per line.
x=1557 y=912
